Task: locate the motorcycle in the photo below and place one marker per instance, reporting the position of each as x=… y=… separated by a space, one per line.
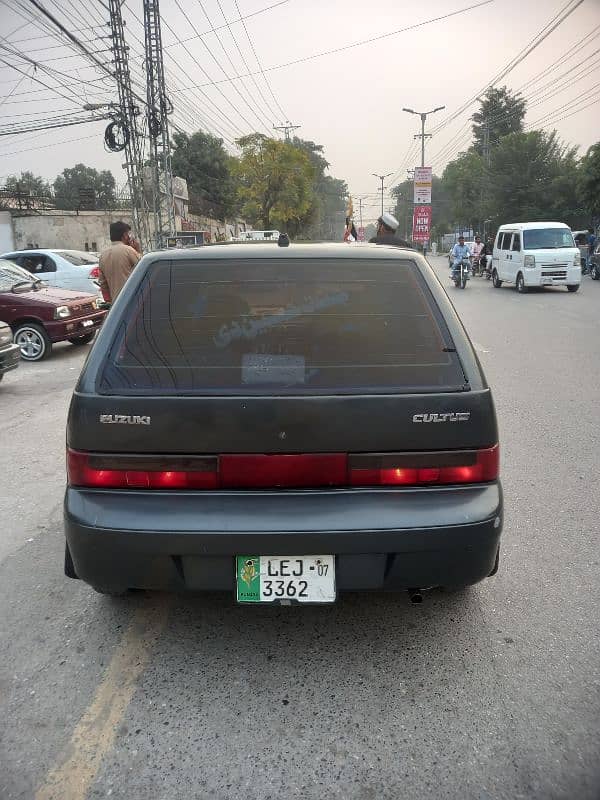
x=476 y=267
x=486 y=266
x=460 y=273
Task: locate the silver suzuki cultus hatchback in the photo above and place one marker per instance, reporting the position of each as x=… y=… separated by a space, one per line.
x=284 y=424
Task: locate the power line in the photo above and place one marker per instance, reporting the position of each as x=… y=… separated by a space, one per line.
x=45 y=146
x=216 y=60
x=30 y=39
x=231 y=22
x=70 y=36
x=62 y=122
x=343 y=48
x=206 y=97
x=15 y=88
x=572 y=114
x=262 y=72
x=567 y=55
x=458 y=136
x=451 y=148
x=69 y=99
x=242 y=56
x=580 y=98
x=543 y=34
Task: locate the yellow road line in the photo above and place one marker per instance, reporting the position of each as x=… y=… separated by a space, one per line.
x=95 y=733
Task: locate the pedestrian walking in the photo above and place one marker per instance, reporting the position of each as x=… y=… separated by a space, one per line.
x=117 y=261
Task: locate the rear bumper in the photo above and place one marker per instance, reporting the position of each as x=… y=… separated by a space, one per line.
x=382 y=540
x=9 y=358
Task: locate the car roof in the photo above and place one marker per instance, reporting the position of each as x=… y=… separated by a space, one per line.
x=42 y=250
x=523 y=226
x=48 y=250
x=269 y=250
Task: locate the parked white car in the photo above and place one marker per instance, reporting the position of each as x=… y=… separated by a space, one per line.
x=529 y=254
x=65 y=269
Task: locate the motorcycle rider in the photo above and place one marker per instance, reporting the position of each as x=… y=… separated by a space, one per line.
x=485 y=257
x=458 y=253
x=477 y=253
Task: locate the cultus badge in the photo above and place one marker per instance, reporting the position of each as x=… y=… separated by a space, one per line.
x=453 y=416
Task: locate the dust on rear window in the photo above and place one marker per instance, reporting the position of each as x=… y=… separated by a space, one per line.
x=284 y=327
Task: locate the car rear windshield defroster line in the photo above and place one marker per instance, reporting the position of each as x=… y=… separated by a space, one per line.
x=285 y=327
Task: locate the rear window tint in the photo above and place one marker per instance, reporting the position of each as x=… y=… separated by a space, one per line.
x=289 y=327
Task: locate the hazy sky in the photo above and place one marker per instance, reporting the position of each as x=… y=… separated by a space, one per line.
x=350 y=101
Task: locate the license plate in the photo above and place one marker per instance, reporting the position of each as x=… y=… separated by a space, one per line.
x=546 y=281
x=87 y=322
x=273 y=579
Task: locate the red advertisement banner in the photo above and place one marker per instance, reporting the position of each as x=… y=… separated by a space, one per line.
x=421 y=223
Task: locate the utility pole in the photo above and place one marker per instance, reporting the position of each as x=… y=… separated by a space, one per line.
x=159 y=108
x=422 y=136
x=381 y=178
x=123 y=133
x=286 y=129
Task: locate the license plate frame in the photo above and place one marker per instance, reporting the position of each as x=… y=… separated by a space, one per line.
x=273 y=580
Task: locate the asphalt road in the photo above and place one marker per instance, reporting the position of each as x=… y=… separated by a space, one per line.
x=494 y=693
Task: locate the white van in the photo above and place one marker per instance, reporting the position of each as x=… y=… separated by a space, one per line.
x=536 y=254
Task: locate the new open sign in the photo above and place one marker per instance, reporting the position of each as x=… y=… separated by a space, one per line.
x=421 y=223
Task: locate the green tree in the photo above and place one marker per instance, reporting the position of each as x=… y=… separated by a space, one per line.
x=27 y=182
x=22 y=191
x=330 y=197
x=533 y=176
x=275 y=182
x=589 y=181
x=207 y=167
x=465 y=184
x=501 y=112
x=325 y=218
x=73 y=184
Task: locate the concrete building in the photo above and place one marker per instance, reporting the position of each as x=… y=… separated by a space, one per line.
x=89 y=230
x=29 y=228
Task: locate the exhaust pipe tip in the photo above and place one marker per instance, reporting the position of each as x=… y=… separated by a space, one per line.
x=416 y=596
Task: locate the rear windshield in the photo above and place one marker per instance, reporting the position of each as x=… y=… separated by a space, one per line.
x=547 y=239
x=77 y=259
x=286 y=327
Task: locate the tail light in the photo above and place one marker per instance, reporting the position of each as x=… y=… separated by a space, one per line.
x=305 y=470
x=425 y=469
x=94 y=273
x=127 y=472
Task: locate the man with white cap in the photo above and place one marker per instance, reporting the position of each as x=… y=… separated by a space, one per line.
x=387 y=226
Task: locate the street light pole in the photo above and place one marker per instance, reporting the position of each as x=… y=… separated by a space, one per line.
x=422 y=136
x=382 y=178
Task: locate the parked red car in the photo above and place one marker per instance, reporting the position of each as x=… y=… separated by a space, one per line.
x=40 y=315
